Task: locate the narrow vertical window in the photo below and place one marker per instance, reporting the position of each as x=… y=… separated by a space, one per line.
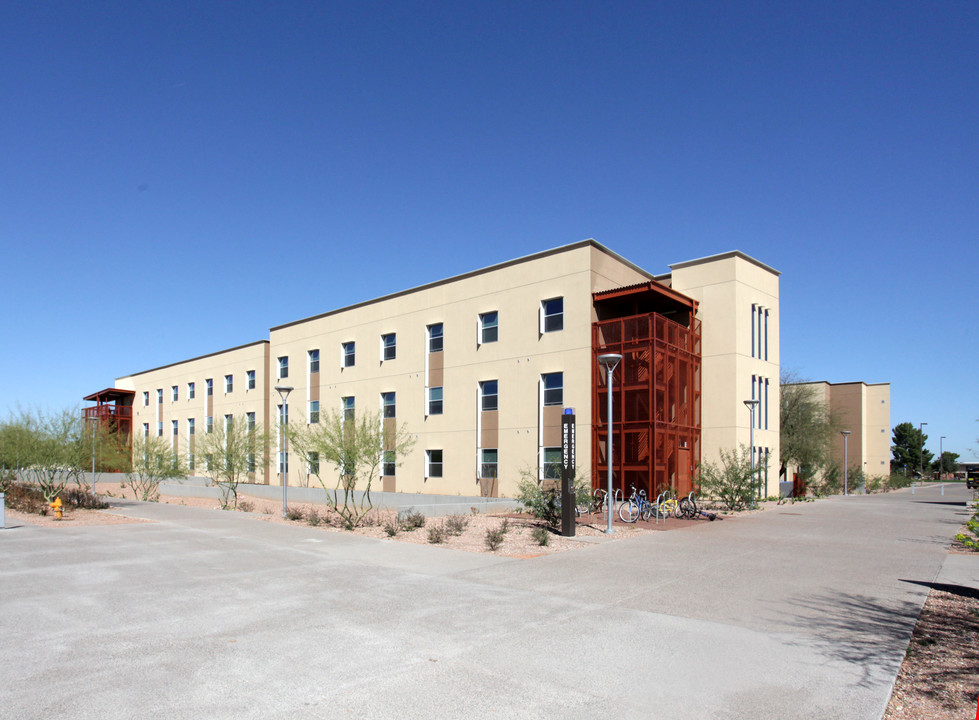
x=173 y=426
x=552 y=463
x=489 y=462
x=348 y=408
x=191 y=391
x=283 y=367
x=766 y=403
x=314 y=361
x=435 y=401
x=229 y=383
x=173 y=393
x=146 y=398
x=389 y=464
x=314 y=411
x=191 y=426
x=489 y=395
x=433 y=463
x=435 y=338
x=159 y=396
x=552 y=315
x=553 y=388
x=146 y=429
x=488 y=327
x=210 y=386
x=753 y=341
x=766 y=335
x=389 y=346
x=388 y=405
x=349 y=354
x=250 y=379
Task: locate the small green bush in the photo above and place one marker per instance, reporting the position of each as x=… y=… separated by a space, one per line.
x=494 y=538
x=411 y=519
x=456 y=524
x=436 y=533
x=26 y=498
x=392 y=527
x=732 y=483
x=542 y=536
x=973 y=527
x=294 y=513
x=314 y=518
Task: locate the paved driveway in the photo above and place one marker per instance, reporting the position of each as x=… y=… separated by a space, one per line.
x=803 y=611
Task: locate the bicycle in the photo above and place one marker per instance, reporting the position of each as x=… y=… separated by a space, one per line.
x=637 y=506
x=666 y=504
x=687 y=508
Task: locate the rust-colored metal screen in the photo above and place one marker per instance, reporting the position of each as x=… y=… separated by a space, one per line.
x=656 y=404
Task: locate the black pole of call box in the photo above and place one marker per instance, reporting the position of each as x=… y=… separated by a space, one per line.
x=567 y=473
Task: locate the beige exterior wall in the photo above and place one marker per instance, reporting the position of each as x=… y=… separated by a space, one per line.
x=517 y=361
x=733 y=291
x=158 y=416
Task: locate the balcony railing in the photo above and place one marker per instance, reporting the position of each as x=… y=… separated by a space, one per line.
x=108 y=412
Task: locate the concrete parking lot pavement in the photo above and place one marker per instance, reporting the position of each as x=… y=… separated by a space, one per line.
x=802 y=611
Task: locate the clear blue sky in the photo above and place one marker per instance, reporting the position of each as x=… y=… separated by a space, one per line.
x=161 y=161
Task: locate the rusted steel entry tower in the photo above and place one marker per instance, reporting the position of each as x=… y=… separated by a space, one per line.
x=656 y=403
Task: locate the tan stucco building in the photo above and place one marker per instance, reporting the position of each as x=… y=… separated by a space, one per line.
x=479 y=368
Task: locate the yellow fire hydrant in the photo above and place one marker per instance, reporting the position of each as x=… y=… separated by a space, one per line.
x=56 y=506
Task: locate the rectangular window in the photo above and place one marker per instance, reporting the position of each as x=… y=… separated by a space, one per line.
x=208 y=424
x=314 y=361
x=191 y=391
x=389 y=346
x=433 y=463
x=488 y=464
x=229 y=383
x=250 y=379
x=250 y=462
x=349 y=354
x=146 y=429
x=435 y=401
x=283 y=367
x=283 y=462
x=250 y=419
x=146 y=398
x=191 y=426
x=488 y=395
x=190 y=462
x=173 y=393
x=229 y=420
x=388 y=408
x=759 y=339
x=159 y=396
x=552 y=315
x=754 y=342
x=159 y=429
x=435 y=338
x=349 y=408
x=553 y=388
x=552 y=463
x=766 y=403
x=174 y=427
x=488 y=327
x=388 y=465
x=314 y=411
x=210 y=386
x=766 y=335
x=314 y=463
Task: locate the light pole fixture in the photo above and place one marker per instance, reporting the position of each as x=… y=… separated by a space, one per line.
x=846 y=436
x=284 y=391
x=921 y=433
x=751 y=405
x=609 y=361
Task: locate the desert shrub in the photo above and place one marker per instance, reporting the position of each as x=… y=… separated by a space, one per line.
x=542 y=498
x=314 y=518
x=972 y=527
x=84 y=499
x=506 y=525
x=294 y=513
x=26 y=498
x=542 y=536
x=411 y=519
x=456 y=524
x=267 y=510
x=436 y=533
x=246 y=505
x=392 y=527
x=896 y=480
x=494 y=538
x=732 y=483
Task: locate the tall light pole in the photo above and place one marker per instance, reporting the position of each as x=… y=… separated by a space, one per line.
x=846 y=464
x=941 y=457
x=609 y=361
x=284 y=391
x=751 y=405
x=921 y=470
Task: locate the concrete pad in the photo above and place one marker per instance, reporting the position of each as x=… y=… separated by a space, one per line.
x=802 y=611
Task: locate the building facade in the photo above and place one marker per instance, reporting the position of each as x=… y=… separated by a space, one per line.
x=479 y=369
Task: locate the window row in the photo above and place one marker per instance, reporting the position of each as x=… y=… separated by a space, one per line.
x=192 y=425
x=759 y=392
x=488 y=331
x=229 y=386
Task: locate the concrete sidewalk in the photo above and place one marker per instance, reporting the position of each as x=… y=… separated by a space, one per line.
x=802 y=611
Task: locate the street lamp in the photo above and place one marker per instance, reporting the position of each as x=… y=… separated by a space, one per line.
x=941 y=458
x=609 y=361
x=751 y=405
x=921 y=434
x=846 y=436
x=284 y=391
